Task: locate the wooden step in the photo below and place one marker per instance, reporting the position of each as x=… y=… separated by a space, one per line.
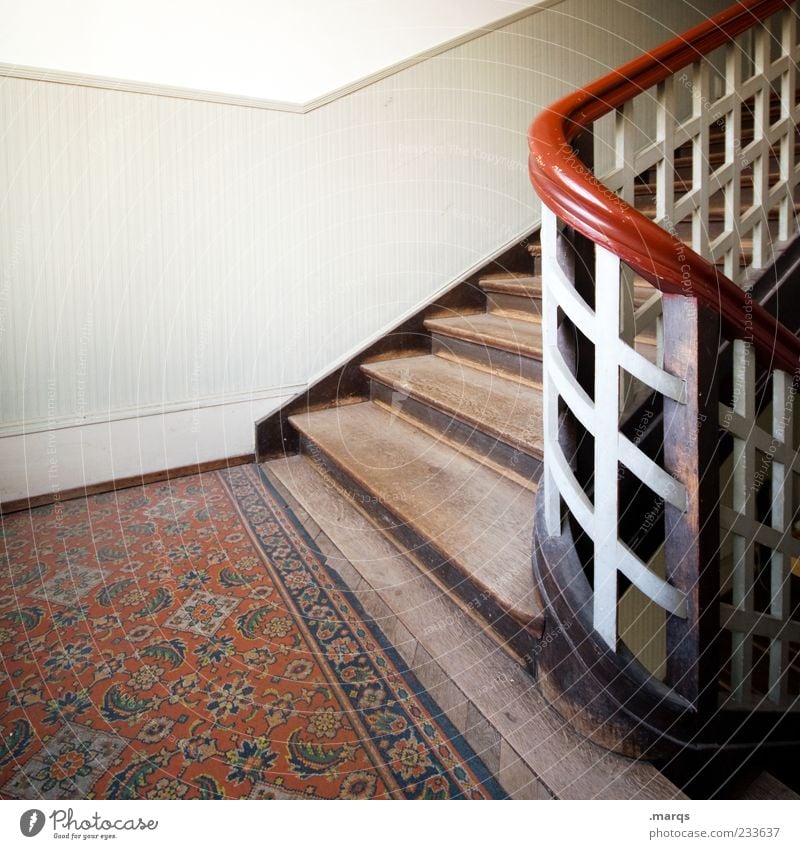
x=513 y=295
x=503 y=344
x=478 y=687
x=468 y=526
x=525 y=293
x=498 y=420
x=513 y=283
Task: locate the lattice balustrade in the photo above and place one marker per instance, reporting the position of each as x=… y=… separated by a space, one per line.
x=709 y=155
x=724 y=178
x=760 y=608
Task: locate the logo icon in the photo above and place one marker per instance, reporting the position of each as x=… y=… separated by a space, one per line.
x=31 y=822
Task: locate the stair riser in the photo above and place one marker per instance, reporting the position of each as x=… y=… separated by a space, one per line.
x=443 y=571
x=517 y=306
x=495 y=359
x=484 y=445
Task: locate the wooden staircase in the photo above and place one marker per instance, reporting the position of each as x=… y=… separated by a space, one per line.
x=445 y=451
x=444 y=457
x=443 y=448
x=436 y=433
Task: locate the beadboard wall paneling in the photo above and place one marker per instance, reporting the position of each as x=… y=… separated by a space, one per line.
x=161 y=255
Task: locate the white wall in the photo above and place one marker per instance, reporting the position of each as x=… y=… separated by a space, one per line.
x=163 y=255
x=269 y=50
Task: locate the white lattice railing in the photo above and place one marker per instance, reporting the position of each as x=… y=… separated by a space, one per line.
x=709 y=153
x=757 y=514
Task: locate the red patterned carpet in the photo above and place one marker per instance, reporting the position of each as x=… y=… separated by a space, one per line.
x=184 y=640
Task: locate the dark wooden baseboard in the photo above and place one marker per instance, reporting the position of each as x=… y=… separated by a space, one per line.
x=121 y=483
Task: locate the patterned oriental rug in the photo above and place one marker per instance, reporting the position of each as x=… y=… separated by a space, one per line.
x=185 y=640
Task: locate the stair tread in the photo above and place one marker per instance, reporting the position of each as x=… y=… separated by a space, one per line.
x=502 y=408
x=510 y=283
x=528 y=286
x=478 y=520
x=520 y=336
x=510 y=334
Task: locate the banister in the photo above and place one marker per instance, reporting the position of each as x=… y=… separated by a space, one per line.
x=641 y=548
x=570 y=190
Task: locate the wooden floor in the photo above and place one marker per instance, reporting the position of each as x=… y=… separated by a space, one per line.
x=492 y=701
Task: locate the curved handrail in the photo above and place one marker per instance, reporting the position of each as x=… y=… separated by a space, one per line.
x=569 y=188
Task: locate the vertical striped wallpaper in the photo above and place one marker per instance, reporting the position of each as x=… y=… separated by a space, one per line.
x=161 y=254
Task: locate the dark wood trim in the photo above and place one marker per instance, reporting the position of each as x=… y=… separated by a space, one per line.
x=608 y=697
x=18 y=504
x=691 y=537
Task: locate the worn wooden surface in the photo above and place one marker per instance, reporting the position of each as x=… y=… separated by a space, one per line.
x=502 y=408
x=691 y=544
x=508 y=334
x=480 y=522
x=468 y=675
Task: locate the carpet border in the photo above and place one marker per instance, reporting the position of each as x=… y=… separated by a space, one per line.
x=461 y=745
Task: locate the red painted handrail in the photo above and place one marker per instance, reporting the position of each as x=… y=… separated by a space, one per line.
x=568 y=188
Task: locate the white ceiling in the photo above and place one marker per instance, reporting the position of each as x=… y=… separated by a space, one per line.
x=292 y=52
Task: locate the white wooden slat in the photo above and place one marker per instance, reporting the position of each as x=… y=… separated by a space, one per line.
x=648 y=312
x=574 y=497
x=761 y=246
x=700 y=183
x=733 y=157
x=625 y=155
x=782 y=514
x=743 y=504
x=650 y=473
x=654 y=587
x=777 y=540
x=565 y=384
x=567 y=298
x=759 y=624
x=740 y=427
x=787 y=224
x=549 y=242
x=606 y=387
x=627 y=327
x=650 y=374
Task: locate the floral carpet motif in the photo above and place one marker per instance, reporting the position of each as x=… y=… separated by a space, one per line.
x=185 y=640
